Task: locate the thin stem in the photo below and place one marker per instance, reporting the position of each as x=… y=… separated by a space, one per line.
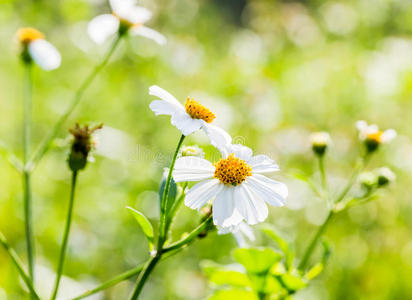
x=112 y=282
x=189 y=238
x=313 y=243
x=26 y=175
x=141 y=280
x=65 y=235
x=19 y=265
x=164 y=204
x=311 y=247
x=321 y=161
x=44 y=147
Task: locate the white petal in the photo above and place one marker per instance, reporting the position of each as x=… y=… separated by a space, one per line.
x=149 y=33
x=224 y=212
x=247 y=231
x=271 y=191
x=361 y=125
x=388 y=135
x=240 y=151
x=202 y=192
x=102 y=27
x=217 y=136
x=154 y=90
x=262 y=164
x=191 y=168
x=44 y=54
x=161 y=107
x=185 y=123
x=126 y=9
x=252 y=208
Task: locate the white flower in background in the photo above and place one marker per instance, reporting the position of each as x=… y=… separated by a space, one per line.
x=188 y=118
x=36 y=48
x=242 y=233
x=235 y=183
x=191 y=151
x=126 y=18
x=320 y=142
x=372 y=136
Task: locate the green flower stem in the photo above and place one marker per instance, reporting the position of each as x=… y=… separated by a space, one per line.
x=321 y=161
x=163 y=228
x=124 y=276
x=189 y=238
x=312 y=245
x=44 y=147
x=19 y=265
x=164 y=204
x=26 y=175
x=65 y=235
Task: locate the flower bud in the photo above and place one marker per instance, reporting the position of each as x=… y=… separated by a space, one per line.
x=81 y=146
x=191 y=151
x=368 y=180
x=385 y=176
x=320 y=142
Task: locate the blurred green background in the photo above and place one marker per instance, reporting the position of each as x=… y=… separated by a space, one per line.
x=273 y=72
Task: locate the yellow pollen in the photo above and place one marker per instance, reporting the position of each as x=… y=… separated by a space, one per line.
x=375 y=137
x=232 y=170
x=27 y=35
x=198 y=111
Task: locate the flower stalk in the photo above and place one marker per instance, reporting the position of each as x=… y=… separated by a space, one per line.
x=26 y=174
x=65 y=235
x=19 y=265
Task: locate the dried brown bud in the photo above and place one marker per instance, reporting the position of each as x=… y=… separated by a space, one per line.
x=81 y=146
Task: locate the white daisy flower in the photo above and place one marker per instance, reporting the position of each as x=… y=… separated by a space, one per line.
x=372 y=132
x=36 y=48
x=242 y=233
x=235 y=184
x=125 y=18
x=188 y=118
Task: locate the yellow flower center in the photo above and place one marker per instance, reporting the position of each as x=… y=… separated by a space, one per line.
x=198 y=111
x=375 y=137
x=232 y=170
x=124 y=23
x=28 y=35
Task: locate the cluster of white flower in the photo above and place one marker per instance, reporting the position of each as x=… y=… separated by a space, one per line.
x=235 y=184
x=126 y=17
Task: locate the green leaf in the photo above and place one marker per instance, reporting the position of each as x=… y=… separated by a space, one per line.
x=257 y=260
x=144 y=224
x=314 y=271
x=234 y=295
x=172 y=192
x=293 y=282
x=283 y=245
x=221 y=275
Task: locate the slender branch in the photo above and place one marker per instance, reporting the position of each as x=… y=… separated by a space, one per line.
x=147 y=270
x=11 y=157
x=65 y=236
x=44 y=147
x=312 y=245
x=190 y=237
x=164 y=202
x=124 y=276
x=321 y=161
x=19 y=265
x=26 y=175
